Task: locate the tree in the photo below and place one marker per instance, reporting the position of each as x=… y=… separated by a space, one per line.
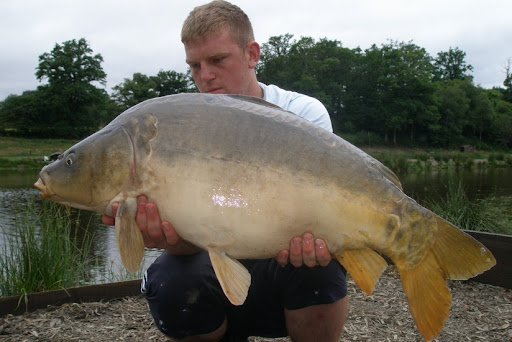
x=70 y=63
x=172 y=82
x=501 y=125
x=132 y=91
x=18 y=112
x=507 y=94
x=453 y=107
x=395 y=90
x=142 y=87
x=452 y=65
x=320 y=69
x=72 y=99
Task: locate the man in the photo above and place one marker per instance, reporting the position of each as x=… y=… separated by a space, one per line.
x=300 y=293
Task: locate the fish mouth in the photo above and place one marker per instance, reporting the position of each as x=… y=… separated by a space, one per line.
x=45 y=191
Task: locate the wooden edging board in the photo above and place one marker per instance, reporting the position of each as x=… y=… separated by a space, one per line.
x=499 y=275
x=19 y=304
x=501 y=247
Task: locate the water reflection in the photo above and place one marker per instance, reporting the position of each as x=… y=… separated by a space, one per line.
x=479 y=183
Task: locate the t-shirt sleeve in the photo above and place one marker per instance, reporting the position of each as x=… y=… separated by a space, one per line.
x=305 y=106
x=312 y=110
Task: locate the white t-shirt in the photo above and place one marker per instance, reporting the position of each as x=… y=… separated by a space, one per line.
x=302 y=105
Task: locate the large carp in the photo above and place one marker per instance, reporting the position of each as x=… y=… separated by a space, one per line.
x=240 y=177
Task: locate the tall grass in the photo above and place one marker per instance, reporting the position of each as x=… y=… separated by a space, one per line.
x=44 y=254
x=491 y=214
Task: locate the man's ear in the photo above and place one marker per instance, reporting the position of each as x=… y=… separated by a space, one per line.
x=252 y=53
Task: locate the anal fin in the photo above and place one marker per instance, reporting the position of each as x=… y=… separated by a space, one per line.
x=232 y=275
x=364 y=266
x=128 y=236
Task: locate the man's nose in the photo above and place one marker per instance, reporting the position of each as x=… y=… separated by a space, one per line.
x=207 y=74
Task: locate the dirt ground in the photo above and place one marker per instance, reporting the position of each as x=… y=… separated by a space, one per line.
x=479 y=313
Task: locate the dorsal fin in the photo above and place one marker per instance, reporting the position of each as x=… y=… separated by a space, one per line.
x=255 y=100
x=386 y=172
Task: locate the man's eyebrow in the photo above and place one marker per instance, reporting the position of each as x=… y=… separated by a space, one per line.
x=212 y=56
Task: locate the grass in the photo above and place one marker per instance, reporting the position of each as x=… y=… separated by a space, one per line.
x=45 y=254
x=27 y=147
x=28 y=153
x=491 y=214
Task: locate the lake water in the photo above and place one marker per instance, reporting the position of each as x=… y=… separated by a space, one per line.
x=16 y=192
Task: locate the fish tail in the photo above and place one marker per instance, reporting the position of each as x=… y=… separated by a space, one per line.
x=453 y=255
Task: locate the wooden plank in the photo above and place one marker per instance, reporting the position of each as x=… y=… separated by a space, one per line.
x=19 y=304
x=501 y=247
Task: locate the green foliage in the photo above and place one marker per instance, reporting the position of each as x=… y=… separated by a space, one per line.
x=69 y=105
x=142 y=87
x=396 y=91
x=44 y=254
x=507 y=92
x=451 y=65
x=492 y=214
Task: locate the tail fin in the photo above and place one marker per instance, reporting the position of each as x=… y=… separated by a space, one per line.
x=454 y=255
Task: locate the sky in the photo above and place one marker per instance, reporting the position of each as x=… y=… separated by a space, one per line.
x=144 y=36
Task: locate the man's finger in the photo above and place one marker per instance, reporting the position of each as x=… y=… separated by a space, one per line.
x=308 y=250
x=110 y=220
x=153 y=223
x=282 y=257
x=170 y=234
x=323 y=256
x=296 y=251
x=141 y=217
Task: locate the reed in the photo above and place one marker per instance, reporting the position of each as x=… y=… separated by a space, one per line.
x=492 y=214
x=45 y=253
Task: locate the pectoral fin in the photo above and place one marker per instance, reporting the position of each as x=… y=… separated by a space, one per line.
x=364 y=266
x=128 y=236
x=232 y=275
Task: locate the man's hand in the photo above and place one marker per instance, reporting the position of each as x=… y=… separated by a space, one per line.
x=305 y=250
x=156 y=234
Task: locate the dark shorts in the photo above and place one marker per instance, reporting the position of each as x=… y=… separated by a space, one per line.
x=186 y=299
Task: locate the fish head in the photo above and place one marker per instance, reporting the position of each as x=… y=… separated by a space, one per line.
x=91 y=173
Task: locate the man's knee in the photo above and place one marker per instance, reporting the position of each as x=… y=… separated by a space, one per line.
x=184 y=296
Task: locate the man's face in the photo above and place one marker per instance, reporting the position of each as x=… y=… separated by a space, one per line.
x=219 y=66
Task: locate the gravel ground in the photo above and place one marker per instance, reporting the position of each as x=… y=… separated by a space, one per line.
x=479 y=313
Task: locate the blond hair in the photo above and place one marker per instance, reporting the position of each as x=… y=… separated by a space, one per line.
x=214 y=17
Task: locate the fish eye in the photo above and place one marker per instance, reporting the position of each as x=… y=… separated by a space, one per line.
x=70 y=159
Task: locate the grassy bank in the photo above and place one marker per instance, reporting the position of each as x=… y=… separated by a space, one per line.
x=402 y=160
x=29 y=153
